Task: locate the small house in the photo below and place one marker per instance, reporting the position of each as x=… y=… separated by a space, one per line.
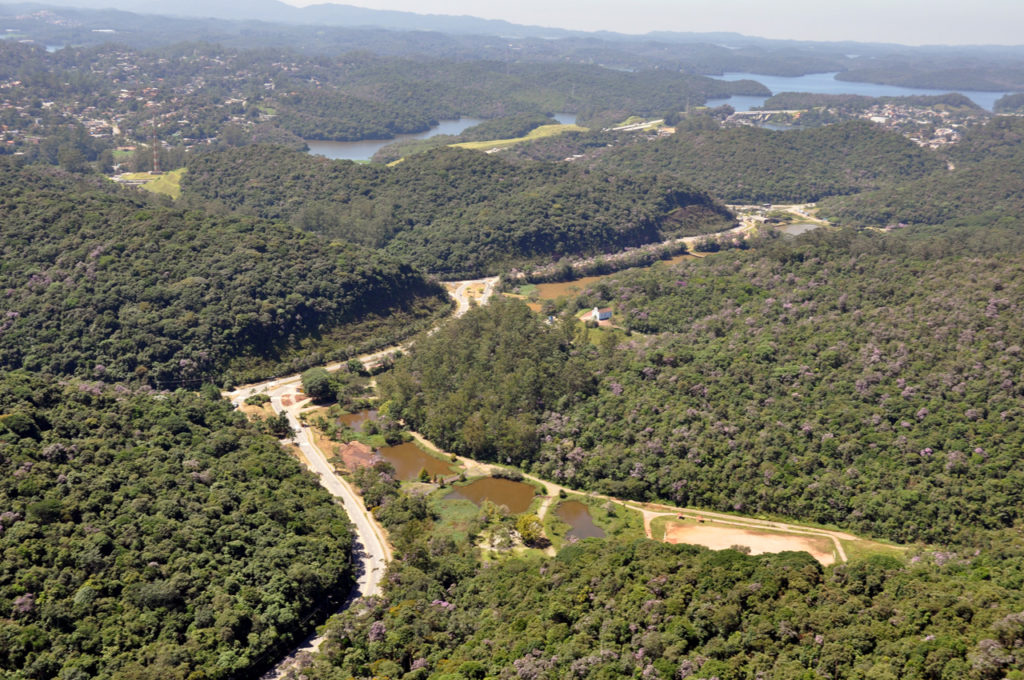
x=602 y=314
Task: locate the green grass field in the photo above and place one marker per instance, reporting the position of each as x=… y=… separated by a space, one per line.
x=537 y=133
x=168 y=184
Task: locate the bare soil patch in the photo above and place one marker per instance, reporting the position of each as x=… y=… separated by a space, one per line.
x=722 y=537
x=355 y=455
x=263 y=411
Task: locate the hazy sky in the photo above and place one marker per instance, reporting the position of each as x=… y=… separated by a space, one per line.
x=911 y=22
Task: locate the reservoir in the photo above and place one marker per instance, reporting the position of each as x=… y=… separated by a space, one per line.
x=516 y=496
x=826 y=83
x=364 y=150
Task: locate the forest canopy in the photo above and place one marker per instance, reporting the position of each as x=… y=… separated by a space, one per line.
x=866 y=381
x=153 y=536
x=454 y=211
x=107 y=284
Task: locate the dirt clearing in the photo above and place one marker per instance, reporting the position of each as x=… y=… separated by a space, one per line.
x=722 y=537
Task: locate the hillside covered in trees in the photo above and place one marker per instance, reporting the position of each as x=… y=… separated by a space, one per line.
x=755 y=165
x=107 y=284
x=162 y=538
x=866 y=381
x=604 y=609
x=984 y=180
x=454 y=211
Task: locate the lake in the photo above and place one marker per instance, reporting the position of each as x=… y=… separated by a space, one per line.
x=364 y=150
x=826 y=83
x=516 y=496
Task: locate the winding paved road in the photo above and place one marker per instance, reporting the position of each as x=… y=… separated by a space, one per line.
x=370 y=542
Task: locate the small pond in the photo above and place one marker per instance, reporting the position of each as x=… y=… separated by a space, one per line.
x=798 y=228
x=358 y=419
x=410 y=459
x=516 y=496
x=577 y=516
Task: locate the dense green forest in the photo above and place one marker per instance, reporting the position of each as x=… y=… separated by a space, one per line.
x=109 y=284
x=984 y=180
x=153 y=536
x=755 y=165
x=866 y=381
x=863 y=380
x=454 y=211
x=610 y=610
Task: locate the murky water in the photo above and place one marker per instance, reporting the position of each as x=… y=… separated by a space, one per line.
x=358 y=419
x=409 y=460
x=516 y=496
x=577 y=515
x=798 y=228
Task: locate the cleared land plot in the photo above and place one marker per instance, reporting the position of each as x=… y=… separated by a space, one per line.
x=722 y=537
x=168 y=184
x=537 y=133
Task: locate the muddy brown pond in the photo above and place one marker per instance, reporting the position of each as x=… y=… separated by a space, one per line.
x=358 y=419
x=577 y=516
x=516 y=496
x=410 y=459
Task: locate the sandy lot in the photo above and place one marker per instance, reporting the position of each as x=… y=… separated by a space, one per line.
x=722 y=537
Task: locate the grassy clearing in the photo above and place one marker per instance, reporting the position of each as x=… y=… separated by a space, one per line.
x=526 y=289
x=863 y=548
x=537 y=133
x=454 y=517
x=168 y=184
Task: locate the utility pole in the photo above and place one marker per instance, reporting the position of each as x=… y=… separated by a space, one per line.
x=156 y=149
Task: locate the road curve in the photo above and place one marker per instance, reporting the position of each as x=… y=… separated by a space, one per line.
x=369 y=543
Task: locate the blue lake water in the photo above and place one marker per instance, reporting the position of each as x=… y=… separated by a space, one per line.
x=364 y=150
x=826 y=83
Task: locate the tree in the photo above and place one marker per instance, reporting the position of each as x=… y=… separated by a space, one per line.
x=316 y=382
x=530 y=529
